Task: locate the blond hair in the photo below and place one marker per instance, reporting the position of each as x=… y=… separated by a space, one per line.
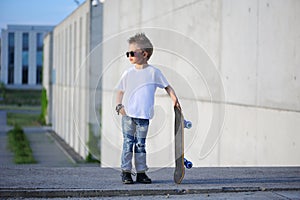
x=143 y=42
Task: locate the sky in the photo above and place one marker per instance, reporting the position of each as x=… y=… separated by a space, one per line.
x=35 y=12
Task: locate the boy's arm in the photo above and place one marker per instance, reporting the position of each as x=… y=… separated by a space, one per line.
x=119 y=99
x=119 y=96
x=173 y=96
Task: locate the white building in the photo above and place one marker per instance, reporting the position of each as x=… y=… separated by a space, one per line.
x=22 y=55
x=71 y=72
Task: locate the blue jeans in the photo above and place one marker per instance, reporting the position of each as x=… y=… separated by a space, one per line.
x=134 y=135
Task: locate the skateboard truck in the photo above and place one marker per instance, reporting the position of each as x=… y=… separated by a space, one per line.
x=188 y=164
x=187 y=124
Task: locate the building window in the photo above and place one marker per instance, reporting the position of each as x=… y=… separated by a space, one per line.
x=24 y=75
x=39 y=66
x=11 y=57
x=11 y=49
x=25 y=57
x=39 y=58
x=39 y=77
x=10 y=79
x=39 y=41
x=11 y=39
x=25 y=42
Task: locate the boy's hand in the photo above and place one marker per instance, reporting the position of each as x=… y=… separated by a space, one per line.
x=177 y=104
x=122 y=111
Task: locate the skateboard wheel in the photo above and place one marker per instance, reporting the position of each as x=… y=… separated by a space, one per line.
x=188 y=164
x=187 y=124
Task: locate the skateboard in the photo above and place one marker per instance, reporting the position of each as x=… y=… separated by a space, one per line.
x=180 y=161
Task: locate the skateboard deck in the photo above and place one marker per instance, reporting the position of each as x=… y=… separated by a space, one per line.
x=179 y=146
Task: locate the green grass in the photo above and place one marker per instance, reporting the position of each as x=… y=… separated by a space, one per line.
x=23 y=119
x=21 y=97
x=19 y=145
x=15 y=107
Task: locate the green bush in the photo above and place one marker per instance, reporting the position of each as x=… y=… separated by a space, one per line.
x=91 y=159
x=44 y=104
x=19 y=145
x=2 y=90
x=94 y=150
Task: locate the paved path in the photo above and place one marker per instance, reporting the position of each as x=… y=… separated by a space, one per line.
x=101 y=182
x=2 y=118
x=6 y=157
x=45 y=149
x=3 y=126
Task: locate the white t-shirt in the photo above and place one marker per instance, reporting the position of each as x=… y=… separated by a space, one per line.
x=139 y=86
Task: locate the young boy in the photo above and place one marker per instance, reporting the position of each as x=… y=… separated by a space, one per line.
x=135 y=102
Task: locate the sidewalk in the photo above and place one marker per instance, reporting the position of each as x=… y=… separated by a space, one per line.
x=3 y=126
x=6 y=157
x=78 y=182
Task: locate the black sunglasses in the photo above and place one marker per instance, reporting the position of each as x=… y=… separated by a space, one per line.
x=131 y=53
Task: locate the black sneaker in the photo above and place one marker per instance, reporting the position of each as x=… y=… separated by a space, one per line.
x=126 y=177
x=143 y=178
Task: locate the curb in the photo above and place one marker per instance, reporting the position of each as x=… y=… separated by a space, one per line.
x=78 y=193
x=68 y=151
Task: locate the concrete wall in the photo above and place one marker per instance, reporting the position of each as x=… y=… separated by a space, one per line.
x=68 y=54
x=4 y=56
x=74 y=79
x=95 y=82
x=235 y=68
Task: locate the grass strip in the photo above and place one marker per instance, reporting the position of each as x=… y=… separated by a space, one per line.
x=21 y=97
x=19 y=145
x=23 y=119
x=15 y=107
